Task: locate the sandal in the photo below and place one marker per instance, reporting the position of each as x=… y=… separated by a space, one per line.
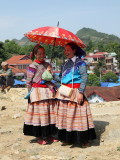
x=53 y=140
x=43 y=142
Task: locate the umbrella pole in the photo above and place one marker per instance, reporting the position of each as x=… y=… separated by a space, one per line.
x=53 y=46
x=53 y=49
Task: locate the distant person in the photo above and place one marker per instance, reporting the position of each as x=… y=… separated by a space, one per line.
x=6 y=77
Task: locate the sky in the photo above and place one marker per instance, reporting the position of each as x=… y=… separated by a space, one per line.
x=18 y=17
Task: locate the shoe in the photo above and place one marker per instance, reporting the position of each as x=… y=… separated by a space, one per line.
x=8 y=88
x=53 y=140
x=65 y=144
x=85 y=145
x=3 y=91
x=35 y=140
x=43 y=142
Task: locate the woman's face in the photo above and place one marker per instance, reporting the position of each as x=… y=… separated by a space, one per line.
x=69 y=52
x=40 y=55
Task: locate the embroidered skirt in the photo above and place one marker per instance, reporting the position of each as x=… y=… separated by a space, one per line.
x=74 y=121
x=40 y=118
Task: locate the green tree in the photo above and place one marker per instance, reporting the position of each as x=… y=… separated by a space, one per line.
x=110 y=77
x=25 y=50
x=99 y=67
x=11 y=48
x=100 y=46
x=2 y=52
x=93 y=80
x=90 y=46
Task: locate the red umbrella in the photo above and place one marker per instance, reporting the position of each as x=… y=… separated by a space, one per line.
x=53 y=36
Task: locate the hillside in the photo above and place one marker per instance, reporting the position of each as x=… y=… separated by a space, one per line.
x=23 y=42
x=88 y=34
x=85 y=34
x=15 y=146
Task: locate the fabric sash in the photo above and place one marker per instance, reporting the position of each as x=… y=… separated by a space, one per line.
x=74 y=85
x=39 y=85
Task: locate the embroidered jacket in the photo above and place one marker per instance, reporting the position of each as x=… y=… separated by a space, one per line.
x=34 y=73
x=74 y=70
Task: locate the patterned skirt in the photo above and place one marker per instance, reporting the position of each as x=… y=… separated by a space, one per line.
x=40 y=118
x=73 y=121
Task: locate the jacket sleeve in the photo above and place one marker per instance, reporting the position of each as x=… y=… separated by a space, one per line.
x=31 y=70
x=84 y=77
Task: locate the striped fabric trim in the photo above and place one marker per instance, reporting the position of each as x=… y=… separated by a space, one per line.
x=73 y=117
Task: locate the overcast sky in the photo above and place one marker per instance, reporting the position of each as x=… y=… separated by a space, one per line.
x=17 y=17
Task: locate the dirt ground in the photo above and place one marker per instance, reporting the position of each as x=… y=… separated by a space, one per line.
x=15 y=146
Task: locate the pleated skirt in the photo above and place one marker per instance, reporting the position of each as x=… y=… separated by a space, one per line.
x=40 y=118
x=74 y=121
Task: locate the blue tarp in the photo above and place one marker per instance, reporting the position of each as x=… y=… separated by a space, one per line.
x=119 y=79
x=18 y=82
x=109 y=84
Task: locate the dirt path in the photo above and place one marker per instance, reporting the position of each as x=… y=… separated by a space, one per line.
x=15 y=146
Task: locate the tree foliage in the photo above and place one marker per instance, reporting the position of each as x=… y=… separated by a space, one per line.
x=93 y=80
x=93 y=39
x=110 y=77
x=100 y=66
x=2 y=50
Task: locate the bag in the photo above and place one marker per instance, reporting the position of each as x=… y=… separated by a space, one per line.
x=65 y=90
x=47 y=76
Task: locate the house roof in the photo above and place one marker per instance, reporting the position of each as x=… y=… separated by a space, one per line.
x=21 y=59
x=108 y=94
x=94 y=56
x=102 y=53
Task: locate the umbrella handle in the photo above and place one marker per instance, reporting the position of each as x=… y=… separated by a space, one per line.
x=53 y=50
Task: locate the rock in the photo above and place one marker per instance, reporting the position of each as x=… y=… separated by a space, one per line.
x=3 y=108
x=16 y=116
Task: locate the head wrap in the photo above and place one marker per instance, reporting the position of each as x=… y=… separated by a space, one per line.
x=79 y=52
x=4 y=63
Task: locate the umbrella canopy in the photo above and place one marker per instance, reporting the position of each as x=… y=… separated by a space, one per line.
x=53 y=36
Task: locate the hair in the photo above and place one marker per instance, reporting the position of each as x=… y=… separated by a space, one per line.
x=79 y=52
x=34 y=51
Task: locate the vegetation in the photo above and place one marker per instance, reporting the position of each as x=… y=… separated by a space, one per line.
x=93 y=80
x=99 y=68
x=93 y=39
x=110 y=77
x=88 y=34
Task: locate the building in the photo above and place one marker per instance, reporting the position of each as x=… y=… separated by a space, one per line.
x=109 y=59
x=19 y=64
x=102 y=94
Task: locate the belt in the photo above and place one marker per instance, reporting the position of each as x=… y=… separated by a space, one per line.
x=75 y=85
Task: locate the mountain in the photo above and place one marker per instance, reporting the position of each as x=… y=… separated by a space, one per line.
x=88 y=34
x=23 y=41
x=85 y=34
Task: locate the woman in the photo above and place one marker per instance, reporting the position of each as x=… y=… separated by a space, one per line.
x=74 y=119
x=40 y=118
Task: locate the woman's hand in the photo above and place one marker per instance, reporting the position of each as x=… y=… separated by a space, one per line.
x=80 y=98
